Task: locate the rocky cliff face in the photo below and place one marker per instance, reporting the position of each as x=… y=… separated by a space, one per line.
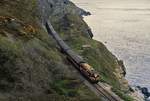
x=60 y=10
x=32 y=68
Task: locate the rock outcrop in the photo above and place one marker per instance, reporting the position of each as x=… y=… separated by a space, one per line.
x=60 y=9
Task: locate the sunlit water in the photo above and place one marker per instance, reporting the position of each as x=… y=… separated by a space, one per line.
x=124 y=27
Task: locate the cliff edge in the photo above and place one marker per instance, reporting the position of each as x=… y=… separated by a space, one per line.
x=31 y=66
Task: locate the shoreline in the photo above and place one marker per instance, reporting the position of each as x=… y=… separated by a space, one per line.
x=144 y=92
x=136 y=57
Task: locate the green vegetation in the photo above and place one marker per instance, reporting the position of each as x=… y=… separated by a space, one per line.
x=65 y=87
x=73 y=30
x=123 y=95
x=24 y=10
x=31 y=66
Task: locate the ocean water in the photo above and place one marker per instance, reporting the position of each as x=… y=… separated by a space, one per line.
x=124 y=27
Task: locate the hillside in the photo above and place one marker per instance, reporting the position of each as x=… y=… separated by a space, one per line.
x=31 y=66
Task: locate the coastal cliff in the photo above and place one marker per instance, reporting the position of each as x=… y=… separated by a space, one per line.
x=31 y=66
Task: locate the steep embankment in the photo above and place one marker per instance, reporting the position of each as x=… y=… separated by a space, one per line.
x=32 y=68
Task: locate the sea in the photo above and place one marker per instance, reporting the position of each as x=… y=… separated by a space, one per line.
x=124 y=27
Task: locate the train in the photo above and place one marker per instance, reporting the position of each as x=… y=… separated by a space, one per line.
x=86 y=70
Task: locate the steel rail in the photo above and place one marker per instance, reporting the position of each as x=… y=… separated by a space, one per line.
x=103 y=92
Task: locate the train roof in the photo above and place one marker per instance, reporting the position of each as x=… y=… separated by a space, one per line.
x=75 y=56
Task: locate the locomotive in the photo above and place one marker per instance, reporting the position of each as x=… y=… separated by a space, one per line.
x=85 y=69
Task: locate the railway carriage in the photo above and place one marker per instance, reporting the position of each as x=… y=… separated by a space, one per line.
x=77 y=60
x=83 y=66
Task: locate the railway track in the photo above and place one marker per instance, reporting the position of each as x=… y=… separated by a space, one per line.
x=106 y=94
x=75 y=59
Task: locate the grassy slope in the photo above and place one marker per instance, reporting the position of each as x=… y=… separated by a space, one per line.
x=72 y=29
x=41 y=68
x=31 y=66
